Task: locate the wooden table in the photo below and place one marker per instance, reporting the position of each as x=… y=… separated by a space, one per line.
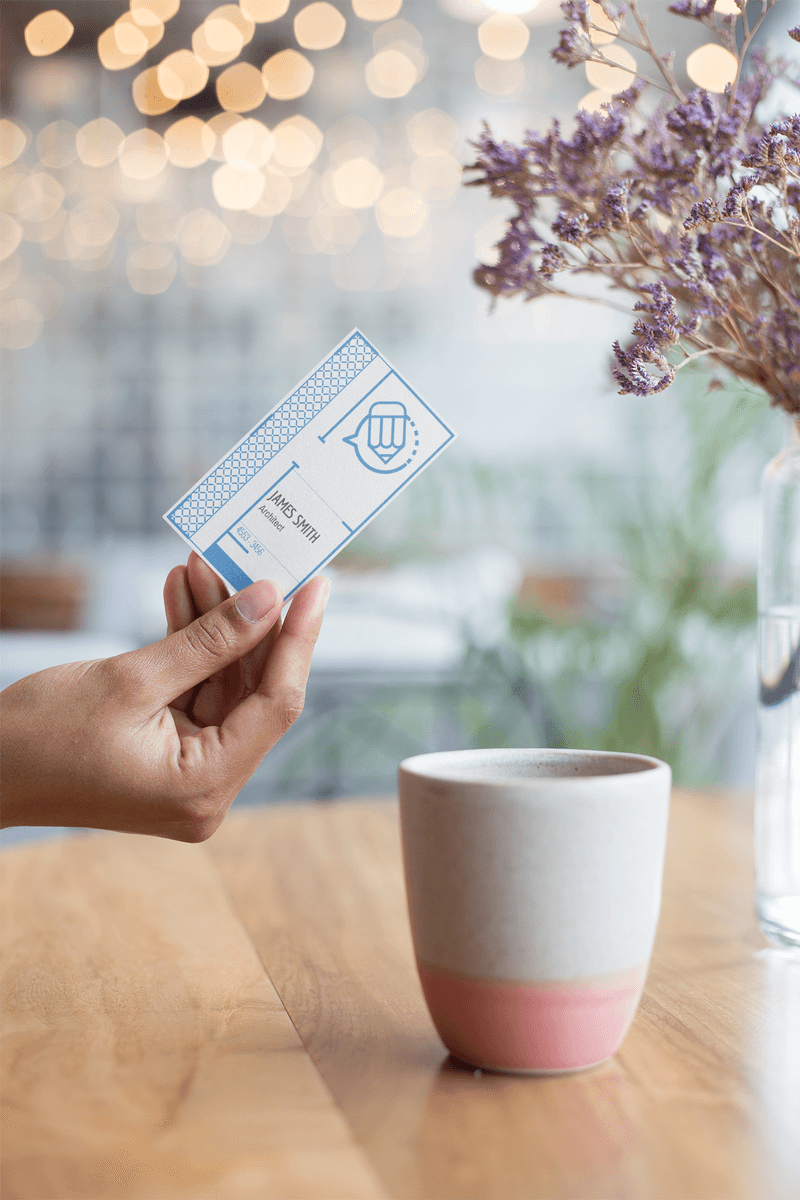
x=243 y=1020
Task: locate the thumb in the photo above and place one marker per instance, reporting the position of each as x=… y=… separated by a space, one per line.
x=216 y=639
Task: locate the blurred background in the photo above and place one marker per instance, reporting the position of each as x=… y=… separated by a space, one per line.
x=198 y=202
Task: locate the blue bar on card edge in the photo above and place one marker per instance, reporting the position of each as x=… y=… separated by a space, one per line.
x=219 y=559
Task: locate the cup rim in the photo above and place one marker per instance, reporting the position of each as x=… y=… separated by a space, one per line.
x=423 y=766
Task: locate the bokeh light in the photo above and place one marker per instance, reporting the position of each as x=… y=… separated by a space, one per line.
x=236 y=16
x=163 y=9
x=288 y=75
x=377 y=10
x=55 y=244
x=130 y=190
x=48 y=229
x=319 y=26
x=189 y=142
x=10 y=186
x=219 y=126
x=605 y=30
x=259 y=11
x=151 y=269
x=89 y=269
x=10 y=235
x=503 y=36
x=181 y=75
x=609 y=78
x=13 y=141
x=143 y=154
x=131 y=27
x=594 y=100
x=276 y=195
x=499 y=78
x=241 y=88
x=350 y=138
x=110 y=54
x=298 y=141
x=48 y=33
x=237 y=188
x=55 y=144
x=203 y=238
x=401 y=35
x=401 y=212
x=93 y=222
x=98 y=142
x=431 y=132
x=228 y=42
x=148 y=96
x=357 y=183
x=131 y=40
x=248 y=143
x=711 y=67
x=228 y=29
x=38 y=197
x=390 y=74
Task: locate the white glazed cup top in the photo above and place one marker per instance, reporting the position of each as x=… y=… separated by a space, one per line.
x=526 y=767
x=534 y=864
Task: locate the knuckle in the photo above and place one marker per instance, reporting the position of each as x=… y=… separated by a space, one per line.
x=197 y=830
x=306 y=641
x=209 y=636
x=120 y=677
x=200 y=818
x=290 y=706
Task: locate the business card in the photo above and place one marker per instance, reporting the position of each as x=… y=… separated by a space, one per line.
x=309 y=476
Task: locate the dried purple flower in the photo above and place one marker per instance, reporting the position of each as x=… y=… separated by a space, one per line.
x=701 y=214
x=693 y=8
x=552 y=261
x=694 y=208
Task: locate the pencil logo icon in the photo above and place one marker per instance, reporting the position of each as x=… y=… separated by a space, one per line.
x=383 y=434
x=386 y=432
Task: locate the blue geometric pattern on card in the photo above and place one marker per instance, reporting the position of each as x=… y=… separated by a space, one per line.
x=274 y=432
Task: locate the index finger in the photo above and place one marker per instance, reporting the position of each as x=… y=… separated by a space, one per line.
x=258 y=722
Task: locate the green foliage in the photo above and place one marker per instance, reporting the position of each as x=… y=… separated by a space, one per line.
x=656 y=675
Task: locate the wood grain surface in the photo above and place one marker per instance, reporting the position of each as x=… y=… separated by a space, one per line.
x=145 y=1052
x=148 y=1056
x=701 y=1103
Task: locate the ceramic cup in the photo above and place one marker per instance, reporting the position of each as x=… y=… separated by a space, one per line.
x=534 y=886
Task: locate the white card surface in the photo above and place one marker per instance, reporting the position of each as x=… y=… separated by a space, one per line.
x=309 y=476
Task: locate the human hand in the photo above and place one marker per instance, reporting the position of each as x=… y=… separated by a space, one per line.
x=161 y=740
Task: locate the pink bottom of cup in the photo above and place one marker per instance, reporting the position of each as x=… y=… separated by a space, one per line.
x=536 y=1027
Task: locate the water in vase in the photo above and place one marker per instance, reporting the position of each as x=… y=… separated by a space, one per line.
x=778 y=776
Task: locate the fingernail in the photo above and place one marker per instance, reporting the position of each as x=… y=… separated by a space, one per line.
x=257 y=601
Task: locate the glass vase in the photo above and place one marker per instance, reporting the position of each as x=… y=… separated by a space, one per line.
x=777 y=812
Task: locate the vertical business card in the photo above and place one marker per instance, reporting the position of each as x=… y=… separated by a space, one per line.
x=309 y=476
